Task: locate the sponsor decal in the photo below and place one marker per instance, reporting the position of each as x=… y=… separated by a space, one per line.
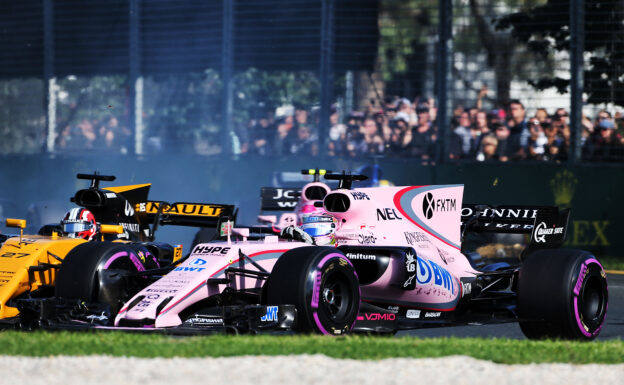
x=445 y=256
x=359 y=196
x=315 y=291
x=285 y=193
x=271 y=314
x=433 y=314
x=194 y=209
x=366 y=239
x=501 y=213
x=158 y=290
x=379 y=316
x=507 y=226
x=581 y=278
x=410 y=267
x=589 y=233
x=409 y=281
x=134 y=227
x=94 y=317
x=393 y=308
x=205 y=321
x=432 y=205
x=128 y=210
x=111 y=195
x=199 y=249
x=413 y=238
x=198 y=262
x=143 y=303
x=429 y=271
x=360 y=256
x=412 y=313
x=563 y=187
x=189 y=269
x=410 y=262
x=387 y=214
x=404 y=200
x=541 y=231
x=141 y=256
x=466 y=288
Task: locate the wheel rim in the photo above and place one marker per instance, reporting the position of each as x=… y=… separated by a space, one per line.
x=593 y=300
x=336 y=296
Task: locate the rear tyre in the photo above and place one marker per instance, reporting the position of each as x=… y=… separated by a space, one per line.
x=322 y=284
x=95 y=272
x=562 y=294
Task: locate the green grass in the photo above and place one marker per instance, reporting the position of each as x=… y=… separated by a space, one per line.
x=358 y=347
x=612 y=263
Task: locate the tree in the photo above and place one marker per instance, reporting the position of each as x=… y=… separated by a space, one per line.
x=545 y=29
x=22 y=119
x=500 y=49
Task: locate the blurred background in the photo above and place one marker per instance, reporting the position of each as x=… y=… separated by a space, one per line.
x=521 y=101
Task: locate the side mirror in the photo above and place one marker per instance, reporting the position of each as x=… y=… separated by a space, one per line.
x=19 y=223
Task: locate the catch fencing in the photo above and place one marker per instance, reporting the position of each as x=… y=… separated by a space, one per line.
x=189 y=76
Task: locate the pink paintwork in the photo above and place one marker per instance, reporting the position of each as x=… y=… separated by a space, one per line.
x=424 y=218
x=306 y=201
x=187 y=283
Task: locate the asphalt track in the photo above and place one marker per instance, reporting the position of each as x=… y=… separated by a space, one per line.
x=613 y=329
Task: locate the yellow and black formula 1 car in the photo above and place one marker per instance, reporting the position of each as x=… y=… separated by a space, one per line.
x=105 y=269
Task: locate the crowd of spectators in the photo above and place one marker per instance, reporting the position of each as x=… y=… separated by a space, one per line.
x=93 y=136
x=397 y=127
x=512 y=134
x=404 y=128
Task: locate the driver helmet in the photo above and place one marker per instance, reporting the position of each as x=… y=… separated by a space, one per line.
x=79 y=223
x=320 y=227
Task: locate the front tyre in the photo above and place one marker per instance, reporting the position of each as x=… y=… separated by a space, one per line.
x=96 y=272
x=322 y=284
x=562 y=294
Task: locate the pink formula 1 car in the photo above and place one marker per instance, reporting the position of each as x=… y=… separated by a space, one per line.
x=396 y=263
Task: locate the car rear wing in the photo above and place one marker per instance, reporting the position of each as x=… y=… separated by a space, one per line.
x=546 y=224
x=286 y=198
x=185 y=213
x=279 y=199
x=508 y=219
